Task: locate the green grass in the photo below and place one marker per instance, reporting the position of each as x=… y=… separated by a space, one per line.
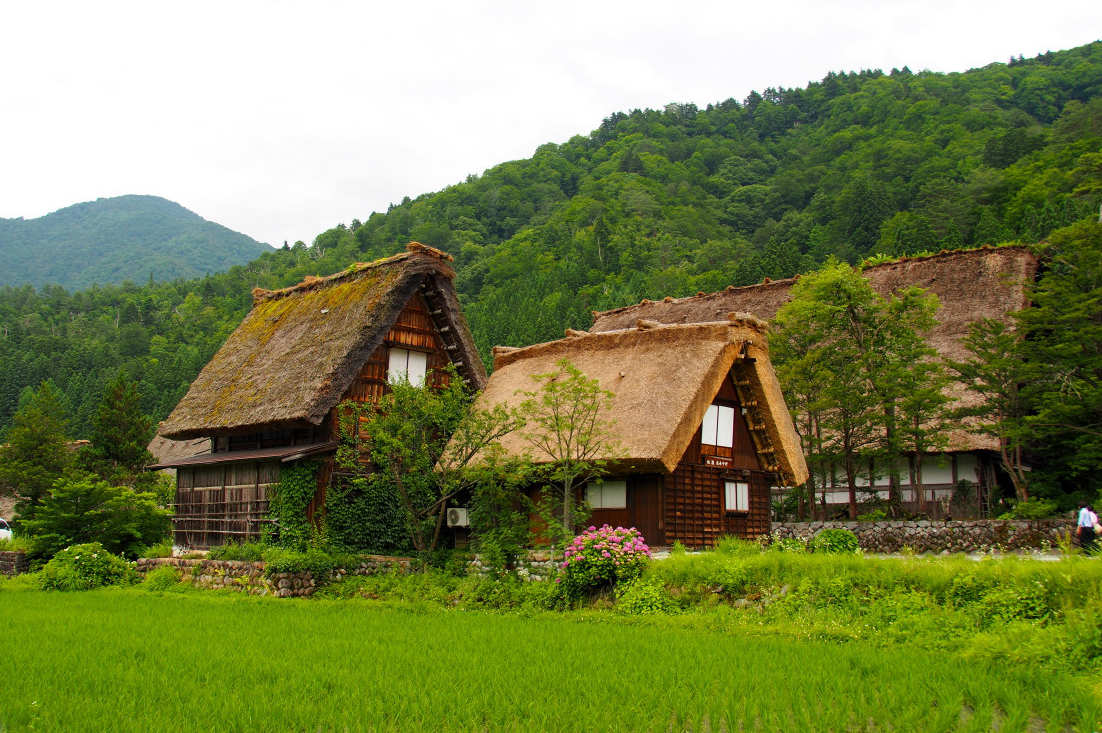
x=132 y=660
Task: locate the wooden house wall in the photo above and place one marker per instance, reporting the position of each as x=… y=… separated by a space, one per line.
x=219 y=503
x=210 y=511
x=643 y=511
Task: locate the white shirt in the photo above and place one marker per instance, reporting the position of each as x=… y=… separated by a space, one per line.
x=1085 y=518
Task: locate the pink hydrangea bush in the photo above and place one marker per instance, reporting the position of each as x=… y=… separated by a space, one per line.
x=603 y=558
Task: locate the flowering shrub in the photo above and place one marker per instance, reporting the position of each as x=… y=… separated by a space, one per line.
x=82 y=567
x=603 y=558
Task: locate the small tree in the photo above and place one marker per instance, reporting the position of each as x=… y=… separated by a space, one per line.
x=82 y=509
x=995 y=371
x=565 y=424
x=424 y=441
x=37 y=452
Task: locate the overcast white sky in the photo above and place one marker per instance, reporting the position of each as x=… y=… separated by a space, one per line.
x=281 y=119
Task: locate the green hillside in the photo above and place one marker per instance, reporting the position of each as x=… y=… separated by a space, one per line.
x=116 y=239
x=651 y=203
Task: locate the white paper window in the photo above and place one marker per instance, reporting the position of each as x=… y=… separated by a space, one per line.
x=718 y=427
x=607 y=495
x=409 y=365
x=736 y=496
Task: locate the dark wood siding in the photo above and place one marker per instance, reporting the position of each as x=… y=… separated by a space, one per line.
x=222 y=503
x=694 y=511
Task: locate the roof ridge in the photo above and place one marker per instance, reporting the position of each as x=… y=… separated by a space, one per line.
x=311 y=282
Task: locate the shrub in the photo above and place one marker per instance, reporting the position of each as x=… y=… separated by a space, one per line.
x=160 y=549
x=281 y=560
x=787 y=544
x=1032 y=509
x=161 y=578
x=17 y=544
x=641 y=597
x=247 y=551
x=835 y=541
x=873 y=516
x=82 y=509
x=603 y=558
x=83 y=567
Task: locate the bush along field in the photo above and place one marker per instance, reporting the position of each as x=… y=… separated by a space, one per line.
x=739 y=638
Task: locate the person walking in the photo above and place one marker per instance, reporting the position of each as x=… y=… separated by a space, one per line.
x=1084 y=530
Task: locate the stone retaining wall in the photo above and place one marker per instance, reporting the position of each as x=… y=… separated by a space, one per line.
x=13 y=563
x=978 y=535
x=249 y=577
x=537 y=565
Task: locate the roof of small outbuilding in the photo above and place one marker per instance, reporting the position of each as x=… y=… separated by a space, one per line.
x=662 y=379
x=988 y=282
x=299 y=348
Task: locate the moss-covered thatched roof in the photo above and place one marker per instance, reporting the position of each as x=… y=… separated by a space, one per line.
x=970 y=284
x=299 y=348
x=663 y=378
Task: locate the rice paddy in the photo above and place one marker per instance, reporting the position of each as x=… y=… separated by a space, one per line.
x=130 y=660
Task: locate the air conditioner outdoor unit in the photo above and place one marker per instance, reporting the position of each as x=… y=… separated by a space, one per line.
x=458 y=517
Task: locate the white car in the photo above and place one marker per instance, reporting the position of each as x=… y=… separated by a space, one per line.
x=5 y=530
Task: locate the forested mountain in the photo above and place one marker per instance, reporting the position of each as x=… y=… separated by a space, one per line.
x=651 y=203
x=115 y=239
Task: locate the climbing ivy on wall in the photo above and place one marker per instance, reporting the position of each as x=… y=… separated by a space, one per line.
x=288 y=500
x=364 y=514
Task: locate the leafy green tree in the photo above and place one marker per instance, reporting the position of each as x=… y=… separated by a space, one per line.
x=571 y=438
x=425 y=442
x=855 y=361
x=81 y=509
x=37 y=452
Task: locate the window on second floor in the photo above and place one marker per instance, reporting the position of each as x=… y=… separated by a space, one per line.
x=407 y=364
x=718 y=428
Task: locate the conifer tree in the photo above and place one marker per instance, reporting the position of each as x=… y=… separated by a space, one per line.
x=120 y=434
x=37 y=452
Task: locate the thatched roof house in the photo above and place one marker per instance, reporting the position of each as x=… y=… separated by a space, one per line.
x=269 y=396
x=299 y=349
x=970 y=284
x=665 y=379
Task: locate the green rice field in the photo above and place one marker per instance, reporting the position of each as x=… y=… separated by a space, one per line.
x=131 y=660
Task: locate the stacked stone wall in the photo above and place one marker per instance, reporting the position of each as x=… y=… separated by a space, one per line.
x=250 y=577
x=979 y=535
x=13 y=563
x=535 y=566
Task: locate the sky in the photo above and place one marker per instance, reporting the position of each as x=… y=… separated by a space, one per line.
x=282 y=119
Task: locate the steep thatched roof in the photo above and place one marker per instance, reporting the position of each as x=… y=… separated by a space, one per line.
x=299 y=348
x=663 y=378
x=169 y=451
x=970 y=284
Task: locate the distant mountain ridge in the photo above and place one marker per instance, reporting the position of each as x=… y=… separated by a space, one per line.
x=114 y=239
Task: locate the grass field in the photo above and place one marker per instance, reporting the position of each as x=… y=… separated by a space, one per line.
x=131 y=660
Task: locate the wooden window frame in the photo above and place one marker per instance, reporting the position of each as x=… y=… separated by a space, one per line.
x=730 y=482
x=390 y=372
x=598 y=487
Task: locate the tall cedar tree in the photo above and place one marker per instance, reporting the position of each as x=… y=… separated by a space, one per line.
x=996 y=371
x=120 y=434
x=1063 y=348
x=37 y=452
x=850 y=357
